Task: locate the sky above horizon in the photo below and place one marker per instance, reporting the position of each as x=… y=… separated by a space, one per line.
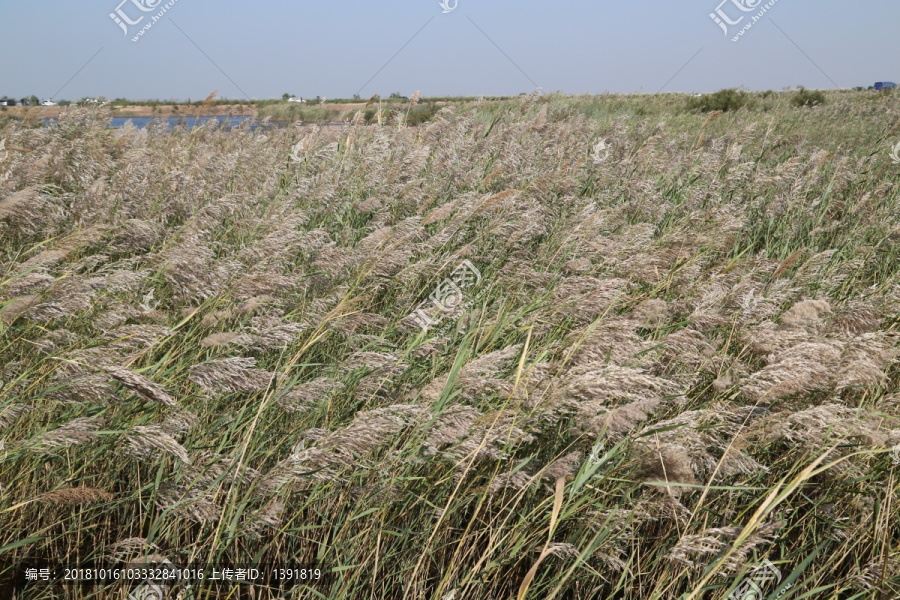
x=65 y=50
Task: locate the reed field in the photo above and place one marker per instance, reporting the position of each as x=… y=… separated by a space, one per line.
x=671 y=372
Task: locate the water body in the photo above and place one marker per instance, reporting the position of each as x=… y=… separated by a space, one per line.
x=188 y=122
x=226 y=123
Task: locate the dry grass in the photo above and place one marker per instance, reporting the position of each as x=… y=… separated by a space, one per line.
x=681 y=359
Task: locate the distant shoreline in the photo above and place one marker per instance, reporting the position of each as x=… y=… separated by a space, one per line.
x=167 y=110
x=191 y=110
x=328 y=112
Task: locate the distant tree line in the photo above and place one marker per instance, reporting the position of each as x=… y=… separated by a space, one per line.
x=32 y=100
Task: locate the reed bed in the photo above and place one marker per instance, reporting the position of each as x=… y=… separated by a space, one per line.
x=680 y=359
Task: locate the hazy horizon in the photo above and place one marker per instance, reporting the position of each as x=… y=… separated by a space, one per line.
x=337 y=50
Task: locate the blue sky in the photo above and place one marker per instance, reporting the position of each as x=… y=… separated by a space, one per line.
x=266 y=48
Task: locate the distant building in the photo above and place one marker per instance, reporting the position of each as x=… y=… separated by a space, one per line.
x=296 y=99
x=7 y=102
x=885 y=85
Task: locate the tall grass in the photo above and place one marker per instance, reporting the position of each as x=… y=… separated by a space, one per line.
x=681 y=359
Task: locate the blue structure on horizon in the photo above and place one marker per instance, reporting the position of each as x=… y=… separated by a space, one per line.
x=885 y=85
